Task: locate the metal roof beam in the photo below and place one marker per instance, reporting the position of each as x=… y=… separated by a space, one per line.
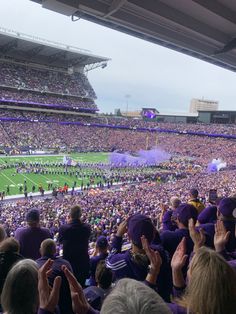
x=59 y=55
x=114 y=7
x=34 y=51
x=219 y=9
x=179 y=18
x=11 y=44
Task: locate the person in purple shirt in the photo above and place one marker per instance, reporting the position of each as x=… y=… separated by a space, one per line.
x=32 y=236
x=171 y=239
x=133 y=263
x=48 y=251
x=225 y=212
x=74 y=236
x=167 y=221
x=208 y=215
x=101 y=253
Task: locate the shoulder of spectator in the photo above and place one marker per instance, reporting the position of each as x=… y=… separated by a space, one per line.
x=116 y=261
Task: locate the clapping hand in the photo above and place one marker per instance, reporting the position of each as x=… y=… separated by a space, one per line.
x=198 y=238
x=80 y=304
x=221 y=236
x=177 y=263
x=153 y=256
x=48 y=297
x=179 y=258
x=122 y=229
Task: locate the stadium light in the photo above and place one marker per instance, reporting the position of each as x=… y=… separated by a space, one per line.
x=76 y=16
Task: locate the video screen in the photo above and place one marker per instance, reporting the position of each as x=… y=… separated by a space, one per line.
x=149 y=113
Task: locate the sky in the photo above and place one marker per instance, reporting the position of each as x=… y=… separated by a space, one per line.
x=152 y=76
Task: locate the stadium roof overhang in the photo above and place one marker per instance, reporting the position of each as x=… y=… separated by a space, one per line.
x=37 y=50
x=204 y=29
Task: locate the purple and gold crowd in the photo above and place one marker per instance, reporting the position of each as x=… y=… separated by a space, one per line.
x=160 y=247
x=154 y=247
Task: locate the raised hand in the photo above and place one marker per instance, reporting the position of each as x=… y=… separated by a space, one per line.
x=179 y=258
x=153 y=256
x=177 y=263
x=198 y=238
x=48 y=297
x=221 y=236
x=122 y=229
x=80 y=304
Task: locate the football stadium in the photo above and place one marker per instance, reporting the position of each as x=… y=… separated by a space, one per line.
x=114 y=213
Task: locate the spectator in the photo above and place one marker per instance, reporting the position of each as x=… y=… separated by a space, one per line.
x=171 y=239
x=96 y=294
x=167 y=221
x=134 y=262
x=48 y=251
x=20 y=291
x=131 y=296
x=74 y=236
x=30 y=237
x=195 y=201
x=211 y=283
x=9 y=255
x=100 y=253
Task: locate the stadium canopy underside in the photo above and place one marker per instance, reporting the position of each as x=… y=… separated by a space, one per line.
x=18 y=46
x=204 y=29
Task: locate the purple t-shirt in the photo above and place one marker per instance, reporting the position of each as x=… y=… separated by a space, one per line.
x=30 y=239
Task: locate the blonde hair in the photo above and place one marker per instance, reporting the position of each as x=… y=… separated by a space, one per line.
x=212 y=285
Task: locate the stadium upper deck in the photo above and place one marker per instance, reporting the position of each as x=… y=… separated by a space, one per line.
x=36 y=72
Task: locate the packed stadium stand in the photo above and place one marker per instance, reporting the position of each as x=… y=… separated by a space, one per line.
x=156 y=239
x=40 y=73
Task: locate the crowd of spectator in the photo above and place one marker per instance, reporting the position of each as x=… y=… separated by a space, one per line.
x=27 y=131
x=161 y=246
x=128 y=247
x=20 y=76
x=125 y=227
x=39 y=99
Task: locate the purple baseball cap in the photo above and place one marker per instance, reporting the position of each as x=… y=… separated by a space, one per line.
x=208 y=214
x=227 y=206
x=102 y=242
x=139 y=225
x=185 y=212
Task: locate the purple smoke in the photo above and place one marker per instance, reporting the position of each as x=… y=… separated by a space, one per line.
x=151 y=157
x=212 y=167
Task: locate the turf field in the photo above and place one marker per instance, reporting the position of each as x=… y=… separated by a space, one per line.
x=10 y=178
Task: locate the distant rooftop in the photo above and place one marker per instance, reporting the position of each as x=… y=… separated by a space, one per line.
x=179 y=114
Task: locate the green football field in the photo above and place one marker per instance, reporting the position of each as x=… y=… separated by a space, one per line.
x=9 y=177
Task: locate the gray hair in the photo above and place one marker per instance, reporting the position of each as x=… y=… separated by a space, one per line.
x=131 y=296
x=20 y=290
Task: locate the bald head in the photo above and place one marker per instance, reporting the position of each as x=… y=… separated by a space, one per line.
x=48 y=248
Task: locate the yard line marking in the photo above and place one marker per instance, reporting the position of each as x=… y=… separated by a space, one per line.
x=65 y=179
x=7 y=178
x=29 y=179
